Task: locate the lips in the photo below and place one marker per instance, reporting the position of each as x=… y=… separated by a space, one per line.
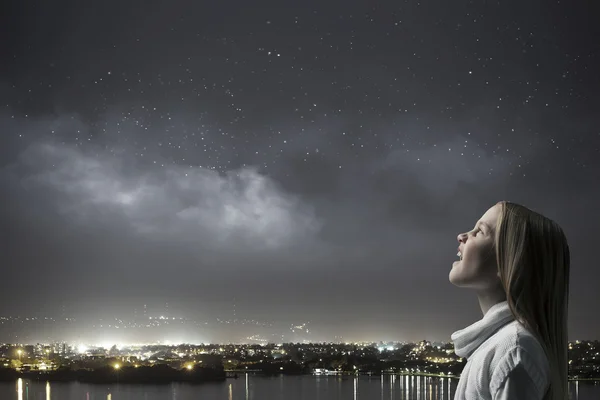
x=460 y=253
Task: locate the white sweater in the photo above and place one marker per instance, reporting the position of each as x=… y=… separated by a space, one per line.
x=504 y=360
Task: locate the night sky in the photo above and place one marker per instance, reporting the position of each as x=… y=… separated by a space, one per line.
x=314 y=161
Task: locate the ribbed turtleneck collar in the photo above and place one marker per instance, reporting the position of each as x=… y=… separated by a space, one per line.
x=467 y=340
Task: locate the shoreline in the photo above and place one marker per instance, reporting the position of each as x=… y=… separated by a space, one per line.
x=145 y=376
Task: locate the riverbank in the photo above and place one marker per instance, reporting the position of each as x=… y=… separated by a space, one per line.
x=159 y=374
x=162 y=374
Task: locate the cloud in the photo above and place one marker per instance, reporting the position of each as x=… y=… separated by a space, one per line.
x=440 y=169
x=190 y=204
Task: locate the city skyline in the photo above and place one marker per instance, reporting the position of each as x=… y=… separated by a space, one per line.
x=314 y=162
x=157 y=325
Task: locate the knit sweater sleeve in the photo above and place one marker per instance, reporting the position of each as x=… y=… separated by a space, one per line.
x=517 y=385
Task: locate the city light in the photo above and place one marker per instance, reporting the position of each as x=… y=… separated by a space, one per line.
x=423 y=357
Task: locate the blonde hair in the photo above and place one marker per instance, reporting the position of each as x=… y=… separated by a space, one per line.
x=534 y=262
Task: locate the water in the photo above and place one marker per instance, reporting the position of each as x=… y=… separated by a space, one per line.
x=252 y=387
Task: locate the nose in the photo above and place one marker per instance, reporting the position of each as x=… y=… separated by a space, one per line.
x=462 y=237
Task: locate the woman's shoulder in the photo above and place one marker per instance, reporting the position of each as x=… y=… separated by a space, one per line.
x=516 y=347
x=516 y=337
x=514 y=334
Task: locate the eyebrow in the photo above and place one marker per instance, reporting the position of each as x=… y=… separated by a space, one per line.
x=484 y=224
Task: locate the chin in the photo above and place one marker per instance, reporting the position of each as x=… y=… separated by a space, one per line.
x=456 y=279
x=452 y=278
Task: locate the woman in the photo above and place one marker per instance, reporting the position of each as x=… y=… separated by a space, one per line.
x=517 y=261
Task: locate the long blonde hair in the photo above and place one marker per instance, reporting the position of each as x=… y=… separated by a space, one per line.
x=534 y=264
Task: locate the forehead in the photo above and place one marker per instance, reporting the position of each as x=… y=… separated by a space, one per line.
x=491 y=216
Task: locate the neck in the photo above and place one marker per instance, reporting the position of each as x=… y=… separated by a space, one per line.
x=488 y=299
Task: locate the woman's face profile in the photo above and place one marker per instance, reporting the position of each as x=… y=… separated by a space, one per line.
x=477 y=269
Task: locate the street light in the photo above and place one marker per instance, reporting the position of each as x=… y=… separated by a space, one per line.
x=19 y=352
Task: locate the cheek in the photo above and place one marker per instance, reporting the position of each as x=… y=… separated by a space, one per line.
x=479 y=251
x=472 y=266
x=481 y=260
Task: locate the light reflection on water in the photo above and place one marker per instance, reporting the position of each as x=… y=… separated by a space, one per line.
x=253 y=387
